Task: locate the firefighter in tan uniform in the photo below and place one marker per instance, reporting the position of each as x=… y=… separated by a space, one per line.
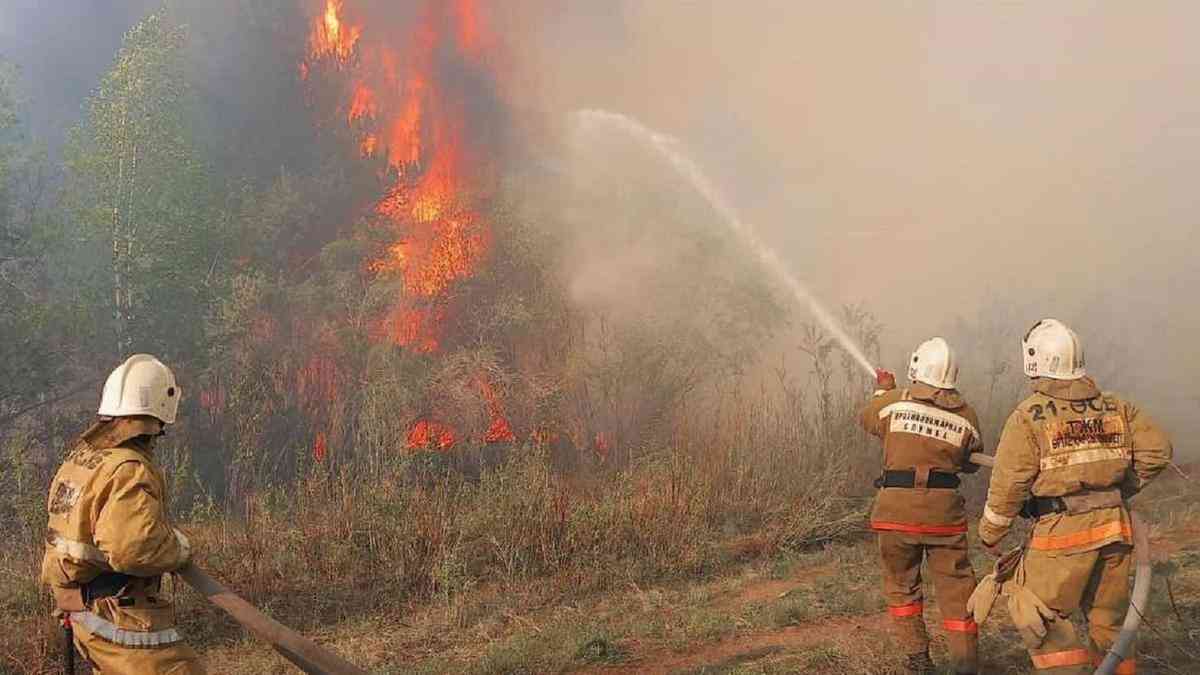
x=928 y=433
x=1069 y=457
x=109 y=540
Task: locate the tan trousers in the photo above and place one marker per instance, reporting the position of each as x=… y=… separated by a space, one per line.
x=953 y=580
x=1096 y=582
x=107 y=658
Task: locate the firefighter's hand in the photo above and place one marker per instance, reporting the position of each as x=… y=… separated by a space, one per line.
x=885 y=379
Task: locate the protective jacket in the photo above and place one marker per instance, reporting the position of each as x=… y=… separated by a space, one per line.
x=1090 y=449
x=1069 y=456
x=108 y=543
x=927 y=431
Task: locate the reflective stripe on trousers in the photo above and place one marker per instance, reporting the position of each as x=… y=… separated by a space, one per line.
x=911 y=609
x=960 y=625
x=1126 y=667
x=1070 y=657
x=915 y=528
x=128 y=638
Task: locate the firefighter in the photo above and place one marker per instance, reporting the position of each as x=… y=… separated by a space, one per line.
x=1069 y=457
x=928 y=433
x=110 y=540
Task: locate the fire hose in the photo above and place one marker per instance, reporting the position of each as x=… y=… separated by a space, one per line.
x=305 y=654
x=1141 y=585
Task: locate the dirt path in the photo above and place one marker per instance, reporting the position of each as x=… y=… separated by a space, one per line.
x=742 y=648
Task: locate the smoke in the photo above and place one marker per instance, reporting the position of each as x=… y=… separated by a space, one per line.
x=62 y=49
x=667 y=148
x=963 y=169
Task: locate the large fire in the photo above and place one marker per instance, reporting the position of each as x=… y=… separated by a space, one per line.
x=402 y=108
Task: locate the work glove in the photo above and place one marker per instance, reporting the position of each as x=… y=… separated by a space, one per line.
x=979 y=605
x=884 y=379
x=1029 y=615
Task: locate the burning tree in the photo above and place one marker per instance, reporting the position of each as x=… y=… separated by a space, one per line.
x=417 y=101
x=422 y=293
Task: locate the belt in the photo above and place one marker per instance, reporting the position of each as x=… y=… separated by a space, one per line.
x=1036 y=507
x=907 y=479
x=1079 y=502
x=106 y=585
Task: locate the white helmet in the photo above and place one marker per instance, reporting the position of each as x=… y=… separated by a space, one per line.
x=141 y=386
x=934 y=364
x=1052 y=350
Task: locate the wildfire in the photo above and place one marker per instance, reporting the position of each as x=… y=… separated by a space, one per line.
x=398 y=107
x=427 y=433
x=320 y=448
x=330 y=37
x=499 y=431
x=401 y=107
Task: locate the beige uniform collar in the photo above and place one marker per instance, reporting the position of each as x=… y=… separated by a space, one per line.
x=946 y=399
x=121 y=431
x=1070 y=390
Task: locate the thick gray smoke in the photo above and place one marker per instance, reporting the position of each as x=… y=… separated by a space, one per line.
x=961 y=168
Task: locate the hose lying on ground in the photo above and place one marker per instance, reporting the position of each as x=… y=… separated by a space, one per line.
x=305 y=654
x=1141 y=585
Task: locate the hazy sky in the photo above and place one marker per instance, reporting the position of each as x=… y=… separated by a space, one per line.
x=923 y=157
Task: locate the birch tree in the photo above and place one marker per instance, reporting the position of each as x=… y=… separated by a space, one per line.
x=140 y=199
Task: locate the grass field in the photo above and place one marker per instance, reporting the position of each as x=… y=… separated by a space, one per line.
x=612 y=577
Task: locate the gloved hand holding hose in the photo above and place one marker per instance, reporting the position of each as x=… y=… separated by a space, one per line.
x=885 y=379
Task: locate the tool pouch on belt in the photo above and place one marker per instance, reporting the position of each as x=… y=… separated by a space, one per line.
x=134 y=620
x=67 y=600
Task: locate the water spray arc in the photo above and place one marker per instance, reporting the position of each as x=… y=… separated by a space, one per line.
x=668 y=148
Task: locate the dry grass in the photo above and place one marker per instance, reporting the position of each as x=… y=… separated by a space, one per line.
x=734 y=556
x=332 y=550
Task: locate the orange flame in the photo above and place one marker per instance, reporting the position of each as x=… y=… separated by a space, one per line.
x=499 y=431
x=427 y=433
x=602 y=445
x=362 y=105
x=416 y=328
x=331 y=37
x=397 y=105
x=319 y=447
x=399 y=109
